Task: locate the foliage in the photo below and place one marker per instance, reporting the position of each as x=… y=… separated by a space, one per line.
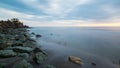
x=13 y=23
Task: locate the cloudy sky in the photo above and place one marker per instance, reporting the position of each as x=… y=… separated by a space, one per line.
x=62 y=12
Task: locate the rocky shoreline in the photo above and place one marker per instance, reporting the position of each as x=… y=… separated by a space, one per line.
x=17 y=48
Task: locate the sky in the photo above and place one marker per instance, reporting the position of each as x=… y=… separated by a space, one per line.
x=62 y=12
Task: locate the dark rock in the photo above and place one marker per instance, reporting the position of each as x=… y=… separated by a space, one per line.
x=29 y=43
x=33 y=33
x=37 y=49
x=38 y=35
x=17 y=43
x=24 y=55
x=94 y=64
x=22 y=49
x=23 y=64
x=7 y=53
x=2 y=66
x=39 y=58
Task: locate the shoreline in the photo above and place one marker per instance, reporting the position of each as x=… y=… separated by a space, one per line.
x=17 y=47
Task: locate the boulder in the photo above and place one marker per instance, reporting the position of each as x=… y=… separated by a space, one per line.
x=22 y=49
x=76 y=60
x=2 y=65
x=24 y=55
x=39 y=58
x=17 y=43
x=33 y=33
x=37 y=49
x=7 y=53
x=23 y=64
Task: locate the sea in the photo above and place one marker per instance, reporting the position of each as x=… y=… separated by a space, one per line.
x=98 y=45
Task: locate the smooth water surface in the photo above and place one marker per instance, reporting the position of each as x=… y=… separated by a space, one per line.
x=93 y=45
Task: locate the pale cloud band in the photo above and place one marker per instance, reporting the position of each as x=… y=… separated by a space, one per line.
x=65 y=13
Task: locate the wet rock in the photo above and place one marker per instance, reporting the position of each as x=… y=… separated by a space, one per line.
x=2 y=65
x=4 y=44
x=24 y=55
x=23 y=64
x=29 y=43
x=17 y=43
x=20 y=37
x=37 y=49
x=9 y=43
x=49 y=66
x=76 y=60
x=39 y=58
x=7 y=53
x=38 y=35
x=33 y=33
x=31 y=39
x=94 y=64
x=22 y=49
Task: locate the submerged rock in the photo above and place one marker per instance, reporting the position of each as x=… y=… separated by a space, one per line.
x=7 y=53
x=23 y=64
x=94 y=64
x=22 y=49
x=76 y=60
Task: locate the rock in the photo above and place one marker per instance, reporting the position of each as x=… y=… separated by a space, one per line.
x=49 y=66
x=22 y=49
x=33 y=33
x=39 y=58
x=37 y=49
x=5 y=44
x=94 y=64
x=23 y=64
x=20 y=37
x=17 y=43
x=24 y=55
x=29 y=43
x=2 y=66
x=7 y=53
x=38 y=35
x=76 y=60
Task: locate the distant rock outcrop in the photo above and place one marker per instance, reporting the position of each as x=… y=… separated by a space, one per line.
x=13 y=23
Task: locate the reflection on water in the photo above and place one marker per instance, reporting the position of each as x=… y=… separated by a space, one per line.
x=99 y=45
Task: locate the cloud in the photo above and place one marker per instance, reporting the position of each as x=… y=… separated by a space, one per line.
x=110 y=10
x=63 y=12
x=6 y=14
x=55 y=7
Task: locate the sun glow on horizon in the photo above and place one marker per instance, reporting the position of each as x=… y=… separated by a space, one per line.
x=101 y=25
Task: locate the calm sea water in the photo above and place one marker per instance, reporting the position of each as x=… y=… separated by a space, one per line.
x=98 y=45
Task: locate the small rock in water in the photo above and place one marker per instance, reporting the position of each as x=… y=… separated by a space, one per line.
x=33 y=33
x=94 y=64
x=76 y=60
x=38 y=35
